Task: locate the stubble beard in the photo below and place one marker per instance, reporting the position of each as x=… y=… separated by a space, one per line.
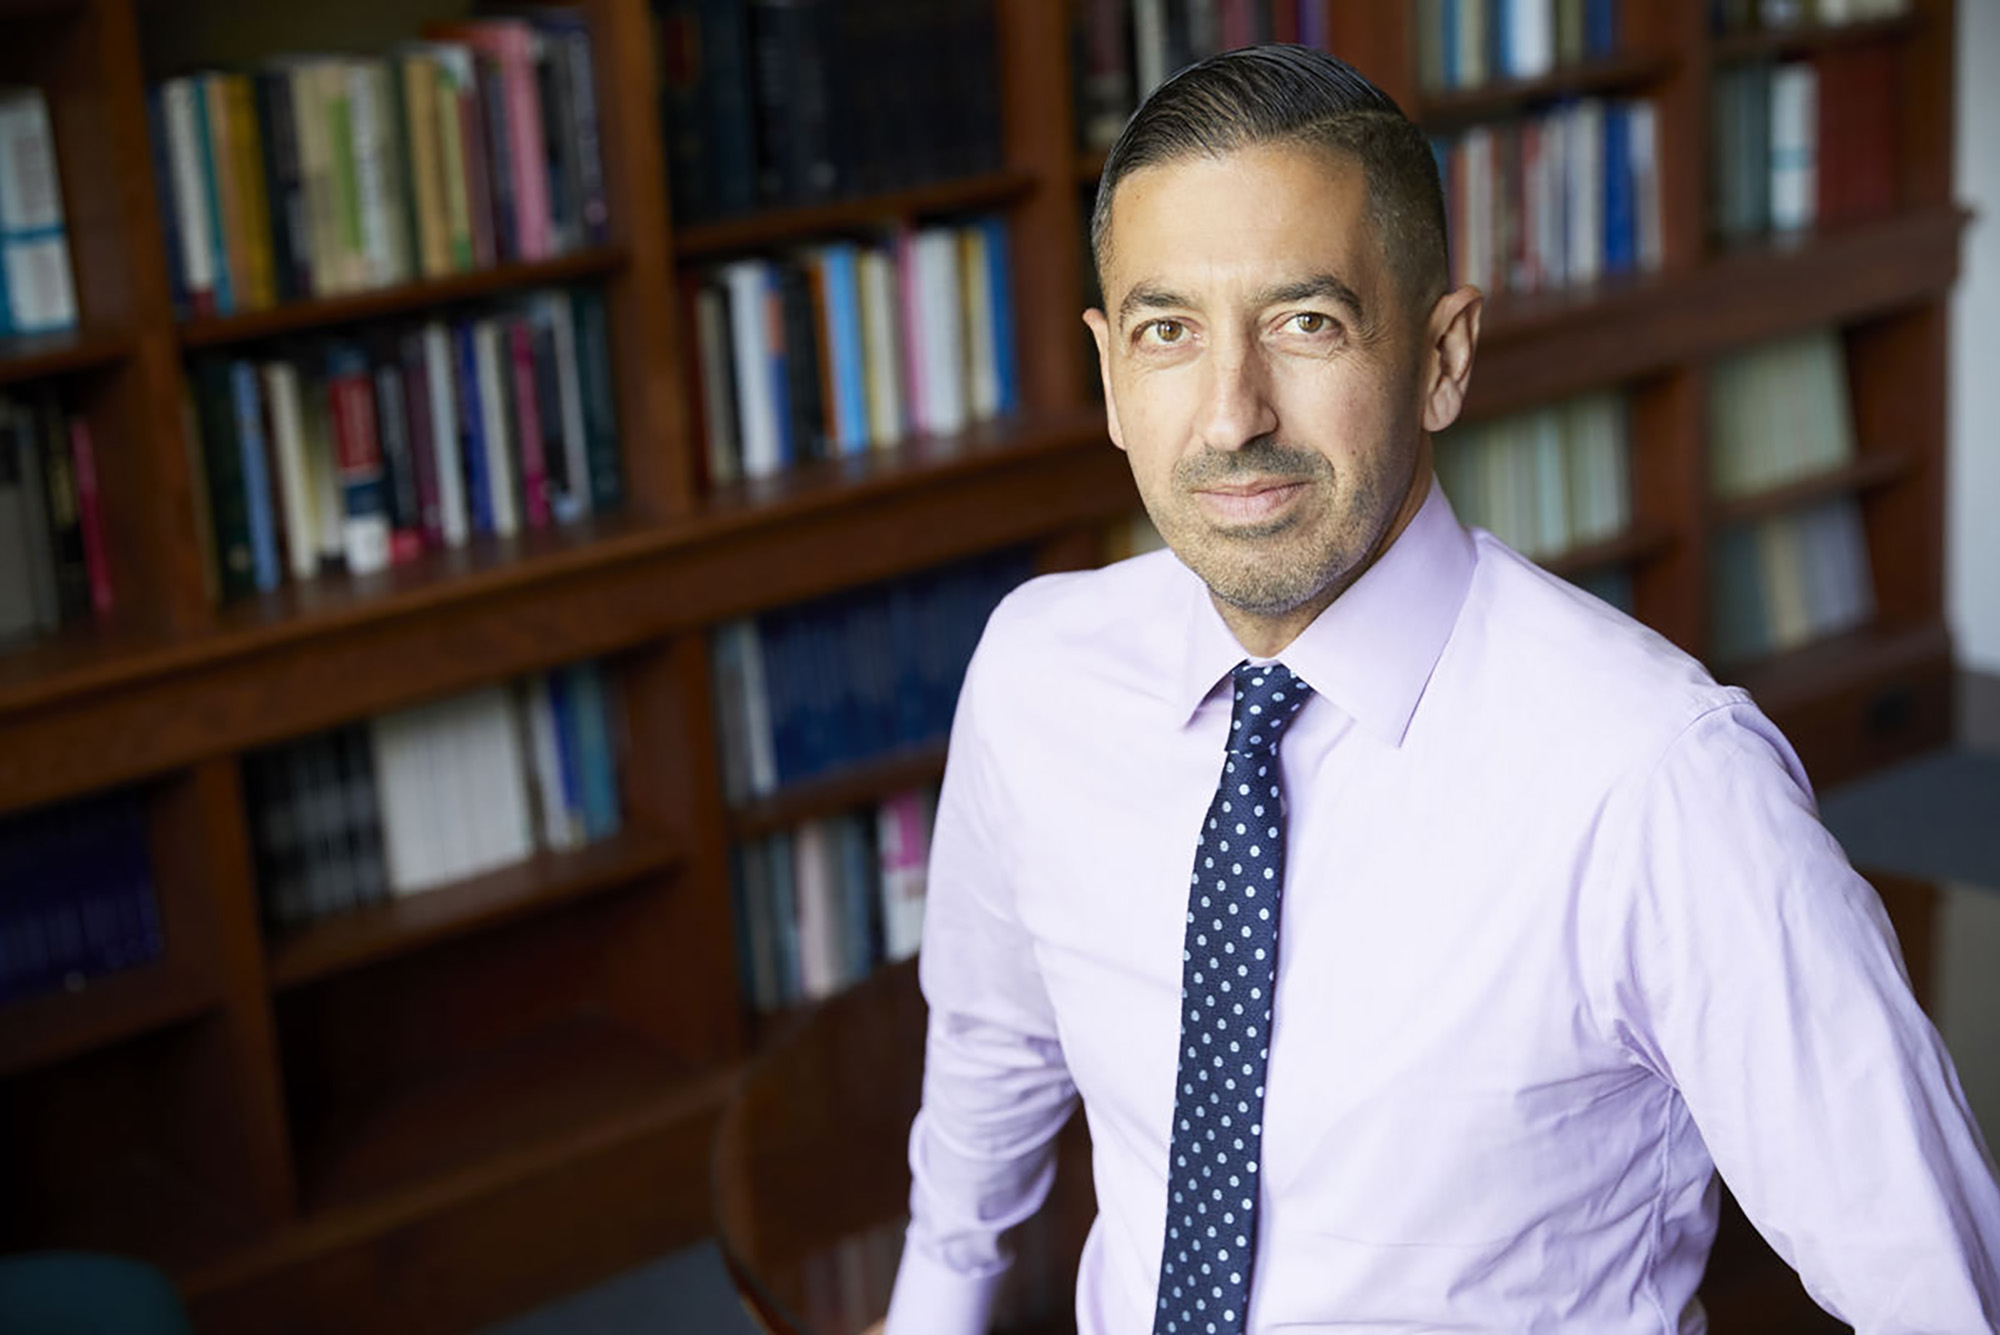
x=1271 y=569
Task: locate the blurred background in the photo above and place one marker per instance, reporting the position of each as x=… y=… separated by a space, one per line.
x=495 y=505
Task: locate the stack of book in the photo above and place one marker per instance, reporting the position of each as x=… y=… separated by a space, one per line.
x=1788 y=580
x=845 y=347
x=322 y=174
x=1466 y=43
x=822 y=685
x=76 y=895
x=409 y=801
x=820 y=905
x=1124 y=49
x=770 y=103
x=1778 y=412
x=357 y=452
x=1561 y=199
x=37 y=290
x=1543 y=481
x=53 y=562
x=1804 y=144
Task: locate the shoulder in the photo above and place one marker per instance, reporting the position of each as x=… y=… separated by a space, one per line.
x=1578 y=674
x=1081 y=613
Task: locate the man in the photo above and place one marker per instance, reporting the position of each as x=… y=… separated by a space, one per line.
x=1506 y=925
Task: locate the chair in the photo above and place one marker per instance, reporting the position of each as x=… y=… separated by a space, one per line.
x=812 y=1179
x=87 y=1293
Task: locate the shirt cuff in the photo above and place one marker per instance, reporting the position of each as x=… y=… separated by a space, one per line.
x=930 y=1298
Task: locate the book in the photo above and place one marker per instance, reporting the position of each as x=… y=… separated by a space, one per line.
x=40 y=295
x=365 y=524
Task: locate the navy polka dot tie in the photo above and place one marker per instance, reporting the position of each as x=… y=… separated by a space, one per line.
x=1227 y=973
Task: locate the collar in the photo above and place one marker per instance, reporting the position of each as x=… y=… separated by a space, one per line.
x=1372 y=650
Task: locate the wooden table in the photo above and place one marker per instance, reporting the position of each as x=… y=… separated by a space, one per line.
x=812 y=1177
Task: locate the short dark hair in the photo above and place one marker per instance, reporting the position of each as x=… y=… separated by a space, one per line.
x=1283 y=94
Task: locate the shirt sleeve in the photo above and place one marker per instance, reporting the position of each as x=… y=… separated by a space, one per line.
x=1761 y=977
x=996 y=1090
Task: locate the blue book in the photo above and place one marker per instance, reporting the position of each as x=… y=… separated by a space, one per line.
x=1621 y=208
x=472 y=430
x=218 y=246
x=1000 y=296
x=905 y=645
x=163 y=179
x=775 y=634
x=1499 y=44
x=845 y=347
x=256 y=475
x=569 y=740
x=599 y=768
x=1448 y=56
x=785 y=918
x=1600 y=27
x=780 y=382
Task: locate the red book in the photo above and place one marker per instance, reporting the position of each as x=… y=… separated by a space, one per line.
x=358 y=461
x=528 y=423
x=90 y=514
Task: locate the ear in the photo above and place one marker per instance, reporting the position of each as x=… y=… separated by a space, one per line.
x=1453 y=336
x=1100 y=329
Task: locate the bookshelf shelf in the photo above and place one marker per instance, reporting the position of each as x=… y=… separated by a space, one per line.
x=706 y=241
x=25 y=357
x=41 y=1030
x=1639 y=543
x=852 y=786
x=1549 y=345
x=342 y=942
x=1877 y=468
x=71 y=723
x=495 y=1111
x=138 y=1204
x=348 y=308
x=1807 y=39
x=1626 y=72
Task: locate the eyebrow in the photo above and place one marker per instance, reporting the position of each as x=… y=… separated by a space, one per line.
x=1146 y=297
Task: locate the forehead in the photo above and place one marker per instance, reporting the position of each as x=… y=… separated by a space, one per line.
x=1260 y=212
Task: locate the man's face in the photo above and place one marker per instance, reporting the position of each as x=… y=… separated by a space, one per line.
x=1262 y=373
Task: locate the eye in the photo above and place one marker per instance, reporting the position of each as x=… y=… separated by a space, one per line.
x=1311 y=323
x=1166 y=332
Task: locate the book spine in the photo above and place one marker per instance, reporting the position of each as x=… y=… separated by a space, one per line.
x=454 y=521
x=281 y=392
x=177 y=97
x=291 y=235
x=163 y=186
x=418 y=78
x=524 y=121
x=528 y=423
x=90 y=508
x=65 y=519
x=568 y=488
x=502 y=180
x=253 y=192
x=406 y=531
x=414 y=367
x=472 y=431
x=211 y=165
x=501 y=471
x=600 y=405
x=365 y=537
x=34 y=246
x=256 y=474
x=593 y=198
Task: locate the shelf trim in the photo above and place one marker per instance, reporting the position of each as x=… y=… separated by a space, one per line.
x=1621 y=71
x=1865 y=472
x=111 y=1008
x=26 y=357
x=712 y=240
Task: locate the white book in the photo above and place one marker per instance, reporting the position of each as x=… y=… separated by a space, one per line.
x=762 y=744
x=403 y=795
x=817 y=889
x=34 y=247
x=750 y=316
x=453 y=517
x=1552 y=531
x=1794 y=146
x=1531 y=38
x=295 y=480
x=366 y=103
x=1584 y=132
x=494 y=387
x=982 y=363
x=903 y=829
x=491 y=782
x=1149 y=44
x=554 y=307
x=1472 y=66
x=882 y=337
x=192 y=221
x=1642 y=127
x=941 y=353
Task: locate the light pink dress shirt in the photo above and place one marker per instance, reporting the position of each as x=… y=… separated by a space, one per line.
x=1561 y=935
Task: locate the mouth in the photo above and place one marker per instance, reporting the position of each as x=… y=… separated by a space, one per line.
x=1253 y=502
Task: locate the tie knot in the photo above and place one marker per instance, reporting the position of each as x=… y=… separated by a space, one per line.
x=1267 y=695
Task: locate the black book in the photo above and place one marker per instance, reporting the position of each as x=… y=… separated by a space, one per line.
x=499 y=156
x=803 y=380
x=65 y=512
x=399 y=462
x=291 y=239
x=729 y=106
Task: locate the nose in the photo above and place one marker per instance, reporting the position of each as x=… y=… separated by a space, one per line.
x=1238 y=407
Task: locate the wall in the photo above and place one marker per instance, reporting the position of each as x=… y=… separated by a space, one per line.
x=1972 y=551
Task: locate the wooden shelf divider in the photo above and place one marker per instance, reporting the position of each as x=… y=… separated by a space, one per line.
x=712 y=240
x=1808 y=38
x=104 y=1010
x=26 y=357
x=830 y=794
x=1625 y=72
x=1866 y=472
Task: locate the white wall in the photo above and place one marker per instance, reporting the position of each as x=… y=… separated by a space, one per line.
x=1972 y=549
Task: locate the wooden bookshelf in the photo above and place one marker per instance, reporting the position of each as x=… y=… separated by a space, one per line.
x=436 y=1112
